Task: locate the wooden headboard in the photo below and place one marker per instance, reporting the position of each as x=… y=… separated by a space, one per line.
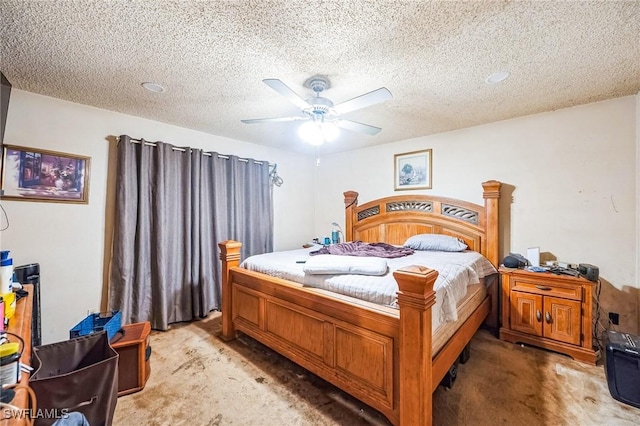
x=394 y=219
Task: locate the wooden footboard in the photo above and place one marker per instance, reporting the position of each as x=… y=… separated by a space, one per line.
x=379 y=355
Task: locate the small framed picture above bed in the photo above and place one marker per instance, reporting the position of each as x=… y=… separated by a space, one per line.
x=412 y=170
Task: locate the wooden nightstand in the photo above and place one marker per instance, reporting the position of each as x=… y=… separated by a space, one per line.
x=548 y=310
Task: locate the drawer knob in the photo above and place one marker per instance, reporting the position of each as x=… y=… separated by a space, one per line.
x=547 y=317
x=543 y=287
x=538 y=315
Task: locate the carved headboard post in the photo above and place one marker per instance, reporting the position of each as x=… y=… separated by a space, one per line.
x=350 y=204
x=491 y=197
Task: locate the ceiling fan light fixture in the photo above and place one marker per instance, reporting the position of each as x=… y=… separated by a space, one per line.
x=316 y=132
x=330 y=131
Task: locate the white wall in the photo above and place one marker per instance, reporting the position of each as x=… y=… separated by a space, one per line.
x=69 y=240
x=571 y=174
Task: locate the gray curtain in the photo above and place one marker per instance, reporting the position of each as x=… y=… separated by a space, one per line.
x=173 y=206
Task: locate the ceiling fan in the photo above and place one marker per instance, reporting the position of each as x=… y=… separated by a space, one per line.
x=323 y=118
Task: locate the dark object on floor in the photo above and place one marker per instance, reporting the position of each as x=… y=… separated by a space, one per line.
x=622 y=367
x=451 y=376
x=465 y=354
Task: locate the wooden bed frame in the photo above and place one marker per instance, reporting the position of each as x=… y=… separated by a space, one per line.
x=380 y=355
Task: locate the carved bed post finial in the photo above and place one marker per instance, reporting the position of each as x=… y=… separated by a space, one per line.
x=491 y=196
x=230 y=256
x=415 y=300
x=350 y=204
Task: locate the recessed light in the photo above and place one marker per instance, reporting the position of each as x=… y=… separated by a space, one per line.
x=497 y=77
x=153 y=87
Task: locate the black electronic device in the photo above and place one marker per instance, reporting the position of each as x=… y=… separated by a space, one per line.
x=622 y=367
x=5 y=93
x=590 y=272
x=559 y=270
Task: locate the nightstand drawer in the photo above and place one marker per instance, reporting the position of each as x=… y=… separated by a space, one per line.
x=548 y=289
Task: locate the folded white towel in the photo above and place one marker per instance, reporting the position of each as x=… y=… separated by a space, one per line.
x=331 y=264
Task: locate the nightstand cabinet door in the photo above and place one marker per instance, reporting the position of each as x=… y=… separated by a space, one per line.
x=526 y=313
x=551 y=311
x=562 y=320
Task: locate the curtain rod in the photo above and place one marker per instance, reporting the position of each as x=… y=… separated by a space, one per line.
x=273 y=168
x=208 y=154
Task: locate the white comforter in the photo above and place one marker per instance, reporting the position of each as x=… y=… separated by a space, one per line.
x=456 y=271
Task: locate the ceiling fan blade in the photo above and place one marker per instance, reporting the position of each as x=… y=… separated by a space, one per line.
x=357 y=127
x=285 y=91
x=273 y=120
x=379 y=95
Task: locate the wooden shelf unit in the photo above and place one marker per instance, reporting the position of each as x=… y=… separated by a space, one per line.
x=549 y=311
x=20 y=324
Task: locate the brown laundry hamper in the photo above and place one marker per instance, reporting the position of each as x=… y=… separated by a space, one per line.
x=79 y=374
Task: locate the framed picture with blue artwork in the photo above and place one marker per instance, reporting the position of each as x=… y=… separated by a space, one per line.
x=32 y=174
x=412 y=170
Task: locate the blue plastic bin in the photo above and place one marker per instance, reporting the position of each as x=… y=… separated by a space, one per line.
x=109 y=321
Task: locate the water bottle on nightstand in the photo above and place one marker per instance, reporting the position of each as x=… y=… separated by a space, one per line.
x=335 y=234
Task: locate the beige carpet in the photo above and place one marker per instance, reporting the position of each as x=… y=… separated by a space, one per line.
x=197 y=379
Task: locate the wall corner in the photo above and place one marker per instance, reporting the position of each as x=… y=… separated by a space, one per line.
x=637 y=118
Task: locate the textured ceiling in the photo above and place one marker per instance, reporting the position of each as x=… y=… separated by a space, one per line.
x=434 y=56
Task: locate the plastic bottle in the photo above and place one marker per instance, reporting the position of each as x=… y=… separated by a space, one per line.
x=10 y=364
x=1 y=314
x=335 y=236
x=9 y=302
x=6 y=275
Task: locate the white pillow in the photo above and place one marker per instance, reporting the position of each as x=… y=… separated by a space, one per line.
x=435 y=242
x=332 y=264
